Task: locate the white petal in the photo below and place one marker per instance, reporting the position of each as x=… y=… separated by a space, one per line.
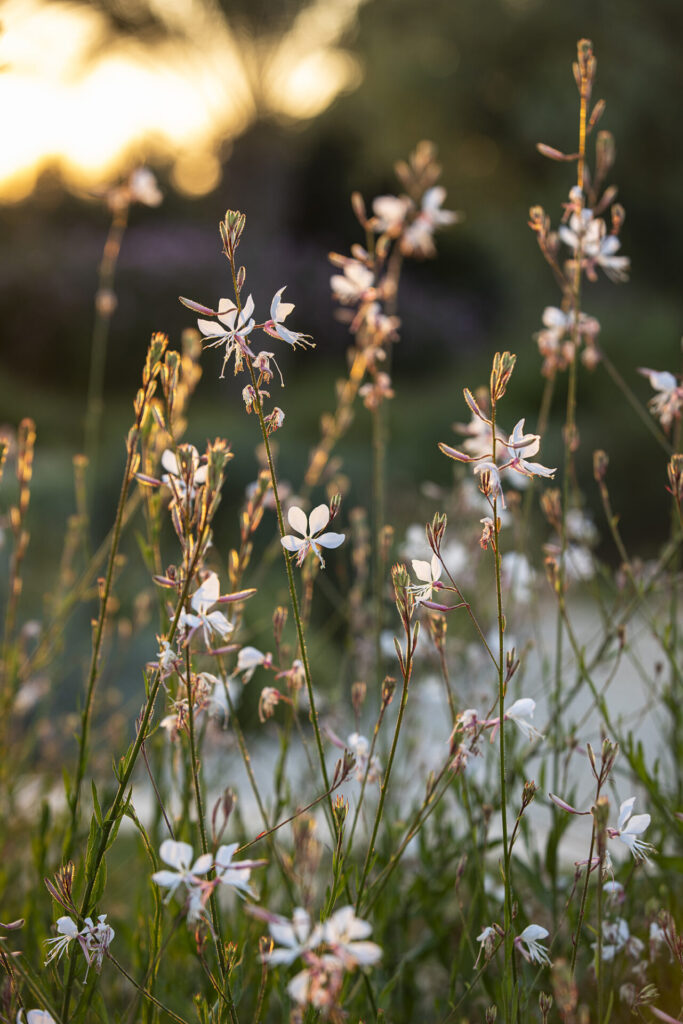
x=534 y=932
x=178 y=855
x=637 y=824
x=523 y=707
x=65 y=926
x=330 y=540
x=422 y=570
x=318 y=519
x=224 y=855
x=170 y=462
x=202 y=864
x=293 y=543
x=298 y=520
x=167 y=879
x=207 y=594
x=210 y=329
x=625 y=811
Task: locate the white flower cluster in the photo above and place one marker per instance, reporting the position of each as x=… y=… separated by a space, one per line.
x=94 y=938
x=330 y=949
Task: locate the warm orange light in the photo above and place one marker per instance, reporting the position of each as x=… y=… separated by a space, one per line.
x=176 y=101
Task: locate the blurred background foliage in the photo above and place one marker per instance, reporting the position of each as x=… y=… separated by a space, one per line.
x=281 y=109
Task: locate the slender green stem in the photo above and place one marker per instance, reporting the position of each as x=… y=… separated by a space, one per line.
x=125 y=773
x=582 y=904
x=199 y=802
x=407 y=672
x=86 y=713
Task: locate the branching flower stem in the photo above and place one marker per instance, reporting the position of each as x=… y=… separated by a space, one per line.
x=290 y=575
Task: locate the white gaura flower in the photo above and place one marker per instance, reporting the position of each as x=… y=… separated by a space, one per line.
x=428 y=573
x=68 y=931
x=615 y=936
x=360 y=746
x=390 y=213
x=235 y=873
x=179 y=856
x=417 y=239
x=311 y=538
x=35 y=1017
x=355 y=284
x=520 y=447
x=204 y=597
x=629 y=828
x=249 y=659
x=519 y=712
x=231 y=330
x=97 y=938
x=666 y=403
x=528 y=944
x=292 y=938
x=279 y=311
x=345 y=934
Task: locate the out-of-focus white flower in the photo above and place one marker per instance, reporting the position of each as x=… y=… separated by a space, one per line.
x=204 y=597
x=529 y=945
x=311 y=538
x=417 y=239
x=35 y=1017
x=345 y=934
x=248 y=660
x=629 y=828
x=292 y=938
x=354 y=285
x=616 y=936
x=428 y=573
x=98 y=938
x=360 y=746
x=390 y=213
x=667 y=402
x=319 y=984
x=180 y=856
x=614 y=891
x=143 y=187
x=588 y=235
x=93 y=938
x=279 y=311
